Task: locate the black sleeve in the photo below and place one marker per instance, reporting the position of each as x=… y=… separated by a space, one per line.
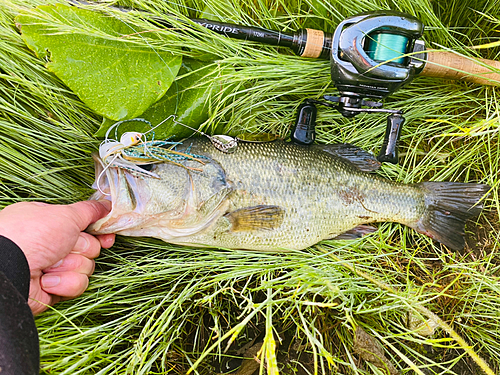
x=14 y=265
x=19 y=349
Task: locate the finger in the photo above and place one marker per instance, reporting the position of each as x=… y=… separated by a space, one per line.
x=41 y=204
x=64 y=284
x=73 y=263
x=38 y=307
x=38 y=300
x=87 y=245
x=88 y=212
x=106 y=240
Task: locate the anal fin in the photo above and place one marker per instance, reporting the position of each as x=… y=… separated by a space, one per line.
x=262 y=217
x=355 y=233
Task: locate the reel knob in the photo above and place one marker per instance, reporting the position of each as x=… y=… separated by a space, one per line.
x=389 y=151
x=304 y=132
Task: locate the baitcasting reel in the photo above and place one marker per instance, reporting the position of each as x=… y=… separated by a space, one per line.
x=372 y=55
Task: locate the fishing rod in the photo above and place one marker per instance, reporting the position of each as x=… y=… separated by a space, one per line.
x=371 y=56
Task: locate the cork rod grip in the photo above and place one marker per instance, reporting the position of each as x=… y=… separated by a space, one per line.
x=453 y=66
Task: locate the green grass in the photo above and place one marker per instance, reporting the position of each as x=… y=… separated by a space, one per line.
x=155 y=308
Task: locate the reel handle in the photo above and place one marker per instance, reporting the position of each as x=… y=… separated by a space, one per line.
x=452 y=66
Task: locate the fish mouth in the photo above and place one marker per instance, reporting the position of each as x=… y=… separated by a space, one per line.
x=127 y=193
x=175 y=203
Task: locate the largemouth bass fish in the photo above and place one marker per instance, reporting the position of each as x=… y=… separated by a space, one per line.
x=275 y=196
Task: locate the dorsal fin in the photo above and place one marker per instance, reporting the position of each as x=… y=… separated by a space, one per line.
x=354 y=155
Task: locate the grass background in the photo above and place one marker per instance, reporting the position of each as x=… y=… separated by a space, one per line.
x=154 y=308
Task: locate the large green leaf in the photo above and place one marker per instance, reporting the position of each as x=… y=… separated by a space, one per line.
x=188 y=99
x=115 y=78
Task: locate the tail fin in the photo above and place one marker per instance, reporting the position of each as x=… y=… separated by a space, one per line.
x=448 y=206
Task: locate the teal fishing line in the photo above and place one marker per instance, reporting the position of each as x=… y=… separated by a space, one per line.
x=385 y=46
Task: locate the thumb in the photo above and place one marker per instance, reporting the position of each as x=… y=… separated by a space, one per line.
x=88 y=212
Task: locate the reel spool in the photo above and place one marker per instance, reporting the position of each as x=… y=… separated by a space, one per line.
x=385 y=46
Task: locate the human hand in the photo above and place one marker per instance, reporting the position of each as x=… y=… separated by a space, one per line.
x=60 y=255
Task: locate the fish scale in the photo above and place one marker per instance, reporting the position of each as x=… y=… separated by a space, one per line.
x=276 y=196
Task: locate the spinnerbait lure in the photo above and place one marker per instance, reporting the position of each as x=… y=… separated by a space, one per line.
x=134 y=149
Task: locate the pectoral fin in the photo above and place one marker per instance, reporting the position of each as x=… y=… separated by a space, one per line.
x=262 y=217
